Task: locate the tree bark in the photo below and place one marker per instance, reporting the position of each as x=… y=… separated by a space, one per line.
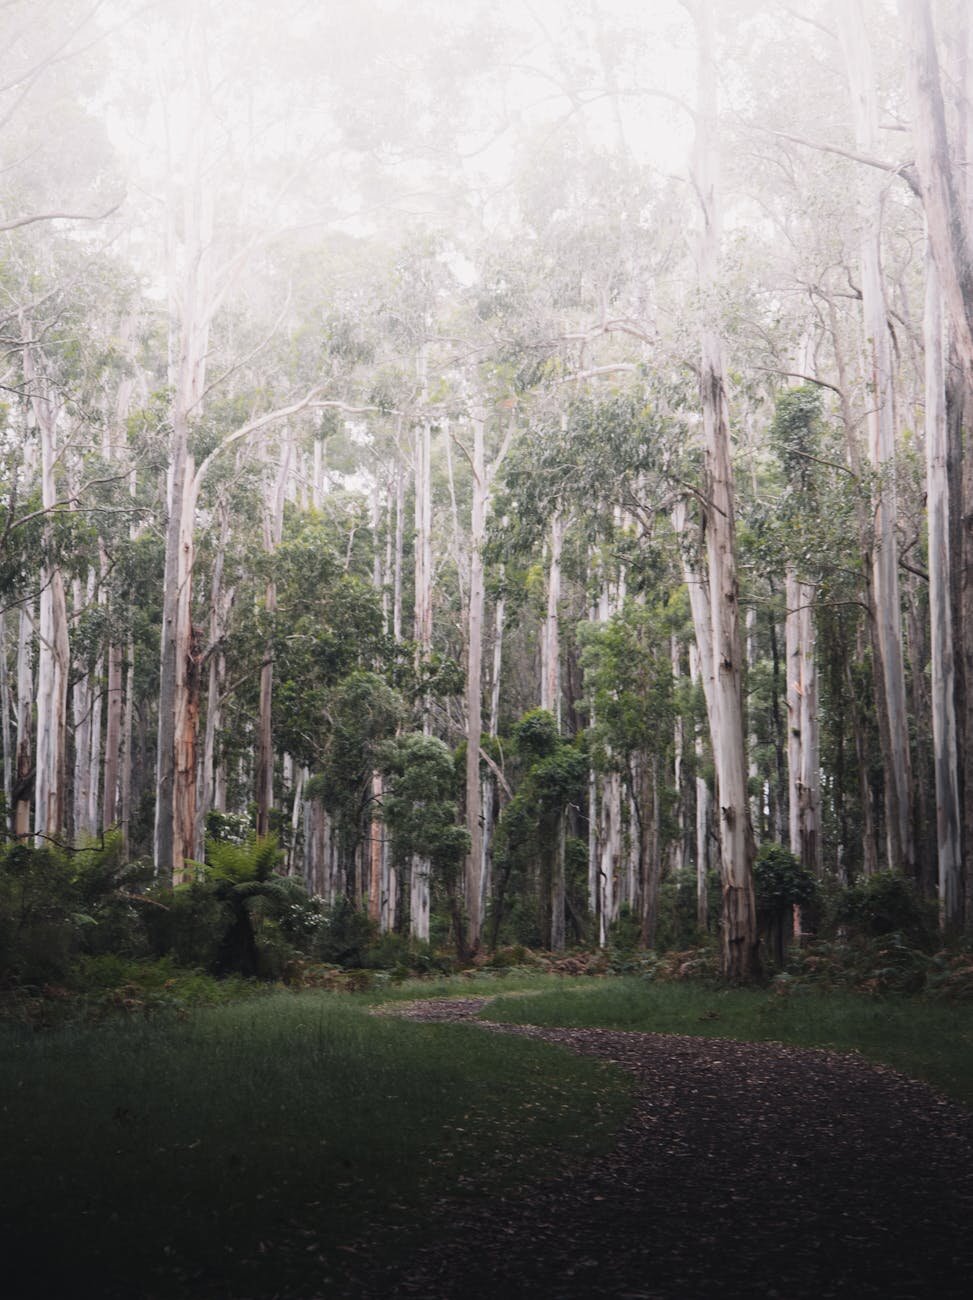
x=880 y=422
x=474 y=689
x=550 y=639
x=804 y=789
x=737 y=847
x=944 y=730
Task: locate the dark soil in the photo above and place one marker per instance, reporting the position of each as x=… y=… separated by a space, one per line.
x=749 y=1170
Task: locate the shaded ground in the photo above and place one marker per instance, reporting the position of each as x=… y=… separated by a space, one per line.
x=748 y=1170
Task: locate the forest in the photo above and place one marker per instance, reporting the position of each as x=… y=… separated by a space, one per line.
x=486 y=535
x=502 y=484
x=506 y=483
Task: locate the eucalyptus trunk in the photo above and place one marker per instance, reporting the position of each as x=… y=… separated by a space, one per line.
x=880 y=423
x=474 y=689
x=24 y=759
x=420 y=875
x=803 y=745
x=550 y=636
x=737 y=846
x=944 y=729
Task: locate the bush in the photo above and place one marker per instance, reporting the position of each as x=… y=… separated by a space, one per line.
x=887 y=903
x=780 y=884
x=344 y=936
x=877 y=967
x=677 y=925
x=56 y=904
x=187 y=924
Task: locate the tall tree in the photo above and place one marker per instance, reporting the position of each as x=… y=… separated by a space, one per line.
x=737 y=846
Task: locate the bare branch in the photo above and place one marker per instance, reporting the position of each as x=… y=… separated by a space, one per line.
x=59 y=216
x=904 y=169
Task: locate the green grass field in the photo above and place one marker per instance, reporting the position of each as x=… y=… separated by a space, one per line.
x=246 y=1149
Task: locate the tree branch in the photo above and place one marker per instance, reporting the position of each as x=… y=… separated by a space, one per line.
x=59 y=216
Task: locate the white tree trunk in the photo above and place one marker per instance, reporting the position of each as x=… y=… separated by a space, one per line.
x=880 y=420
x=944 y=730
x=419 y=887
x=550 y=637
x=53 y=655
x=24 y=764
x=702 y=811
x=474 y=689
x=6 y=710
x=726 y=719
x=804 y=785
x=273 y=525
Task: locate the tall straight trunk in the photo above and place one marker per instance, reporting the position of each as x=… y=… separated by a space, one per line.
x=726 y=721
x=678 y=744
x=378 y=857
x=880 y=422
x=212 y=780
x=550 y=638
x=474 y=689
x=948 y=204
x=114 y=705
x=702 y=813
x=489 y=799
x=701 y=670
x=52 y=697
x=558 y=883
x=400 y=487
x=93 y=811
x=127 y=750
x=273 y=525
x=5 y=716
x=53 y=655
x=610 y=838
x=83 y=694
x=191 y=308
x=650 y=861
x=944 y=730
x=24 y=764
x=803 y=746
x=419 y=885
x=6 y=711
x=870 y=828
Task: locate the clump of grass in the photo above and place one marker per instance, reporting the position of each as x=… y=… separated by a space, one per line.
x=929 y=1040
x=237 y=1152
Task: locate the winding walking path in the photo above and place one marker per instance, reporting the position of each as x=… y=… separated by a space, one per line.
x=745 y=1170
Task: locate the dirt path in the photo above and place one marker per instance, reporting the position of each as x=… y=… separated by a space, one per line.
x=746 y=1170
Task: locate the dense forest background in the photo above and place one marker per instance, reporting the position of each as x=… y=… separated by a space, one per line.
x=483 y=475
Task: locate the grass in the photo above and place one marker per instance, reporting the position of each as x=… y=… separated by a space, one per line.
x=928 y=1040
x=244 y=1150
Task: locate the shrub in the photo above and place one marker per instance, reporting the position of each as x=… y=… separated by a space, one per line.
x=887 y=903
x=780 y=884
x=56 y=904
x=344 y=936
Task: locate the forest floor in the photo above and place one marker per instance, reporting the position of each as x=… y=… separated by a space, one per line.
x=745 y=1170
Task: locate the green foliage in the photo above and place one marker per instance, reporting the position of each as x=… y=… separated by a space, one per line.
x=56 y=905
x=537 y=735
x=887 y=903
x=232 y=864
x=420 y=805
x=186 y=924
x=344 y=936
x=795 y=434
x=780 y=881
